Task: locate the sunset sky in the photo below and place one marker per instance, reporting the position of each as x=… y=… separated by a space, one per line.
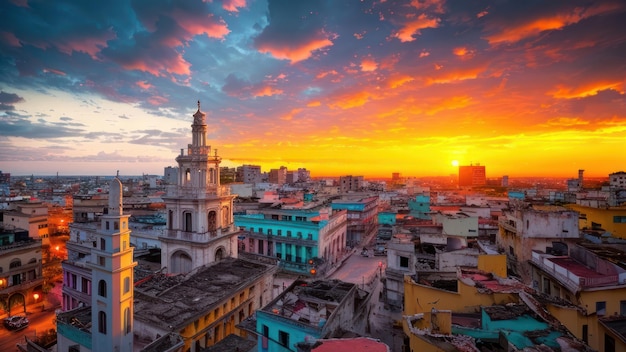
x=527 y=88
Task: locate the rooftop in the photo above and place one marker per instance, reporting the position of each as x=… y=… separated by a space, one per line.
x=615 y=324
x=310 y=302
x=172 y=302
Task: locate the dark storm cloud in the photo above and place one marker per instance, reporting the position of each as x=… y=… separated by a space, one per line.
x=7 y=100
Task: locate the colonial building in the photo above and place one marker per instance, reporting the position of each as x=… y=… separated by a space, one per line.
x=20 y=270
x=200 y=227
x=524 y=229
x=298 y=240
x=362 y=217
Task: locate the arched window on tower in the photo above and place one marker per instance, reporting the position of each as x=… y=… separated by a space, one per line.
x=102 y=288
x=187 y=222
x=127 y=325
x=212 y=221
x=102 y=322
x=187 y=176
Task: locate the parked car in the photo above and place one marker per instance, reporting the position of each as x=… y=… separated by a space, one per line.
x=380 y=250
x=16 y=322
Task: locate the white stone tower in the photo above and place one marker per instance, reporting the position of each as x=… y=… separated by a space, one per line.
x=112 y=279
x=200 y=225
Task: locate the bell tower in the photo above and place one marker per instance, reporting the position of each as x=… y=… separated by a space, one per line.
x=200 y=225
x=112 y=278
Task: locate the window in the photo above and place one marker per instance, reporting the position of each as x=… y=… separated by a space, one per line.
x=15 y=264
x=279 y=232
x=102 y=322
x=73 y=281
x=619 y=219
x=102 y=288
x=546 y=285
x=126 y=284
x=84 y=287
x=283 y=338
x=127 y=327
x=601 y=308
x=101 y=261
x=609 y=343
x=404 y=262
x=622 y=307
x=585 y=333
x=102 y=243
x=288 y=233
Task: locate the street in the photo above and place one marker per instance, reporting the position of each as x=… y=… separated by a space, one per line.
x=366 y=273
x=40 y=323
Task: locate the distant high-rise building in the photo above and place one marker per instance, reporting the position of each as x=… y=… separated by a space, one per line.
x=278 y=176
x=304 y=175
x=505 y=181
x=472 y=175
x=249 y=174
x=350 y=183
x=170 y=175
x=395 y=176
x=617 y=180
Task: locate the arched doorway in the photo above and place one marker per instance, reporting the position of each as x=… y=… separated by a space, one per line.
x=219 y=254
x=212 y=221
x=16 y=299
x=180 y=263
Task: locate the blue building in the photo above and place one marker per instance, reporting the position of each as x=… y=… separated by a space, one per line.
x=308 y=311
x=362 y=218
x=420 y=207
x=300 y=241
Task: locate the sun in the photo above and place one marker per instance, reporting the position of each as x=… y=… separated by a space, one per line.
x=455 y=163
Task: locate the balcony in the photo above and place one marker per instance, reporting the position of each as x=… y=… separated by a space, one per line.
x=25 y=285
x=208 y=192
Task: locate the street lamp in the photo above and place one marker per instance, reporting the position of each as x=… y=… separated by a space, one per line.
x=36 y=297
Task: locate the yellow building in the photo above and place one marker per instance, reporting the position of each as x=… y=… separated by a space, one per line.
x=611 y=219
x=583 y=296
x=205 y=307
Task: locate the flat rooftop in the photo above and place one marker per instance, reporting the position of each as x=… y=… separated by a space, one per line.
x=310 y=302
x=173 y=302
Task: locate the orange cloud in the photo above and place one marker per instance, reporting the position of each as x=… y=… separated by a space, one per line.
x=56 y=72
x=351 y=101
x=424 y=53
x=396 y=82
x=266 y=91
x=451 y=103
x=368 y=65
x=456 y=75
x=157 y=100
x=563 y=92
x=143 y=85
x=554 y=22
x=233 y=5
x=214 y=28
x=407 y=32
x=289 y=116
x=463 y=52
x=294 y=53
x=177 y=65
x=564 y=122
x=313 y=104
x=326 y=73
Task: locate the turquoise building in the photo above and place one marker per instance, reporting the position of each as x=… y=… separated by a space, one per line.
x=300 y=241
x=362 y=218
x=308 y=311
x=420 y=207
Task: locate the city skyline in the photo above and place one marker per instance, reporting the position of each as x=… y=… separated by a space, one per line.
x=362 y=88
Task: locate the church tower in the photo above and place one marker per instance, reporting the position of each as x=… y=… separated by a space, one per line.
x=200 y=225
x=112 y=277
